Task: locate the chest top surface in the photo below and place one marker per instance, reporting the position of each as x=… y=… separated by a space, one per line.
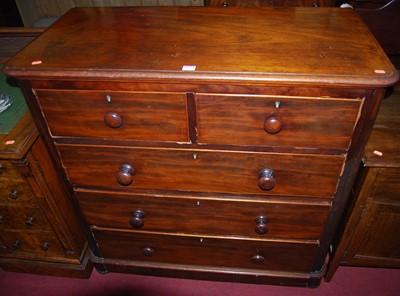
x=294 y=45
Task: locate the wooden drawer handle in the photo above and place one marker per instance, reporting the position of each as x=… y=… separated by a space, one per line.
x=148 y=252
x=1 y=168
x=261 y=225
x=113 y=119
x=1 y=219
x=258 y=259
x=266 y=179
x=137 y=219
x=13 y=194
x=125 y=174
x=45 y=246
x=273 y=125
x=29 y=221
x=17 y=244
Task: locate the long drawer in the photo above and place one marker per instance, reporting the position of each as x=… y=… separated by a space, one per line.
x=202 y=171
x=278 y=121
x=8 y=170
x=206 y=251
x=116 y=115
x=203 y=215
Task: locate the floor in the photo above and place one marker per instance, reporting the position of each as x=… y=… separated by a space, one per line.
x=348 y=281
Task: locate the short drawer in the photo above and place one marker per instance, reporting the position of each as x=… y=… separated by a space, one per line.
x=116 y=115
x=31 y=244
x=203 y=216
x=15 y=192
x=387 y=184
x=200 y=170
x=276 y=121
x=8 y=170
x=206 y=251
x=22 y=217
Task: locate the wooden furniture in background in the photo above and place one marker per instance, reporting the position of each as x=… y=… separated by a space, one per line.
x=371 y=236
x=33 y=10
x=39 y=232
x=214 y=148
x=273 y=3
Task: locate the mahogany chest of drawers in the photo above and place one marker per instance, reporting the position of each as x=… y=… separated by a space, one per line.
x=205 y=142
x=38 y=231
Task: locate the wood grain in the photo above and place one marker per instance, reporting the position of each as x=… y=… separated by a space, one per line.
x=223 y=172
x=206 y=251
x=203 y=215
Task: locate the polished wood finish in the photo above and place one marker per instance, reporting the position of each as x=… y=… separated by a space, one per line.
x=219 y=216
x=37 y=227
x=371 y=233
x=14 y=39
x=182 y=178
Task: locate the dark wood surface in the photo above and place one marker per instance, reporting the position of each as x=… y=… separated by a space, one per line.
x=219 y=216
x=204 y=153
x=315 y=48
x=38 y=231
x=371 y=232
x=172 y=169
x=207 y=251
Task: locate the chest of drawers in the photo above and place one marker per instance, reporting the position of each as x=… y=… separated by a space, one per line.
x=197 y=144
x=38 y=231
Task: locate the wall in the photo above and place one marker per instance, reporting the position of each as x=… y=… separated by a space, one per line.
x=32 y=10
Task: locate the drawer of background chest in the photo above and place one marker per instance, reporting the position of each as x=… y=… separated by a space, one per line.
x=15 y=191
x=31 y=244
x=387 y=184
x=8 y=171
x=116 y=115
x=22 y=217
x=276 y=121
x=204 y=216
x=202 y=171
x=206 y=251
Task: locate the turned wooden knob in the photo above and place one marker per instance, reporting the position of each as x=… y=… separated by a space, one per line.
x=261 y=225
x=257 y=259
x=13 y=194
x=266 y=179
x=29 y=221
x=148 y=252
x=113 y=119
x=16 y=244
x=273 y=125
x=137 y=219
x=45 y=246
x=125 y=174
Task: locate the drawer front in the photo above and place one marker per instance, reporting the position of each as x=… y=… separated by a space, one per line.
x=206 y=251
x=203 y=171
x=203 y=216
x=127 y=115
x=15 y=192
x=19 y=217
x=30 y=244
x=8 y=170
x=387 y=184
x=276 y=121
